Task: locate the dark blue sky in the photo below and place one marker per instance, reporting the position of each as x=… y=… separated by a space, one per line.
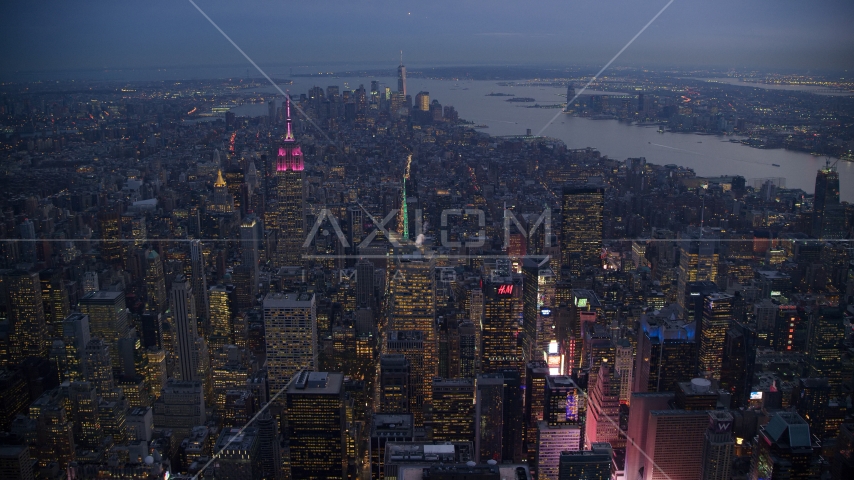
x=95 y=34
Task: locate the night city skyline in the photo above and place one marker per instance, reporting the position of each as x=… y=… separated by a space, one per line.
x=445 y=241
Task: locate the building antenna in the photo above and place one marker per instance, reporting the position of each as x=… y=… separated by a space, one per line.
x=401 y=57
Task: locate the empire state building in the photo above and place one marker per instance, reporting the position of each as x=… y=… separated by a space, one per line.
x=290 y=192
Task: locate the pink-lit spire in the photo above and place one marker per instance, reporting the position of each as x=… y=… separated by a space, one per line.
x=290 y=154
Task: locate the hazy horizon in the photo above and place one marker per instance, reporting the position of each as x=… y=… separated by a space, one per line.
x=765 y=35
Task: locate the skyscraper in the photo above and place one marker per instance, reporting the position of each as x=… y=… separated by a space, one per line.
x=181 y=407
x=364 y=284
x=698 y=261
x=290 y=326
x=55 y=299
x=25 y=311
x=155 y=283
x=827 y=332
x=151 y=326
x=666 y=431
x=570 y=94
x=739 y=360
x=666 y=354
x=221 y=304
x=674 y=444
x=249 y=250
x=603 y=410
x=453 y=409
x=718 y=447
x=624 y=367
x=75 y=336
x=290 y=197
x=593 y=464
x=581 y=230
x=27 y=232
x=413 y=307
x=563 y=424
x=394 y=384
x=636 y=443
x=410 y=344
x=501 y=349
x=422 y=101
x=223 y=200
x=97 y=369
x=717 y=316
x=108 y=318
x=785 y=450
x=238 y=454
x=184 y=314
x=199 y=278
x=387 y=428
x=84 y=412
x=401 y=76
x=535 y=395
x=270 y=451
x=549 y=443
x=316 y=425
x=489 y=416
x=16 y=463
x=110 y=222
x=514 y=423
x=468 y=349
x=538 y=297
x=828 y=217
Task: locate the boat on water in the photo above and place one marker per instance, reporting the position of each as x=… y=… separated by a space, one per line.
x=775 y=165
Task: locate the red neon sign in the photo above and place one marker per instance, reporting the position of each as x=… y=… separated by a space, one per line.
x=505 y=289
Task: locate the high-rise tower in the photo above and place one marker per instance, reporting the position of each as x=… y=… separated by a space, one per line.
x=717 y=316
x=200 y=283
x=717 y=447
x=290 y=325
x=538 y=295
x=184 y=313
x=413 y=308
x=108 y=318
x=501 y=327
x=316 y=422
x=25 y=311
x=827 y=333
x=401 y=76
x=828 y=218
x=290 y=176
x=155 y=283
x=581 y=230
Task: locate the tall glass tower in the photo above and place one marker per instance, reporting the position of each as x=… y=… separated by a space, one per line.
x=401 y=76
x=581 y=230
x=828 y=218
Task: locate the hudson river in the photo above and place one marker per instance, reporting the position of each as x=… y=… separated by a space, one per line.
x=708 y=155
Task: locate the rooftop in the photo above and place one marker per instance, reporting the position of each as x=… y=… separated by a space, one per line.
x=288 y=300
x=307 y=382
x=102 y=295
x=232 y=439
x=788 y=428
